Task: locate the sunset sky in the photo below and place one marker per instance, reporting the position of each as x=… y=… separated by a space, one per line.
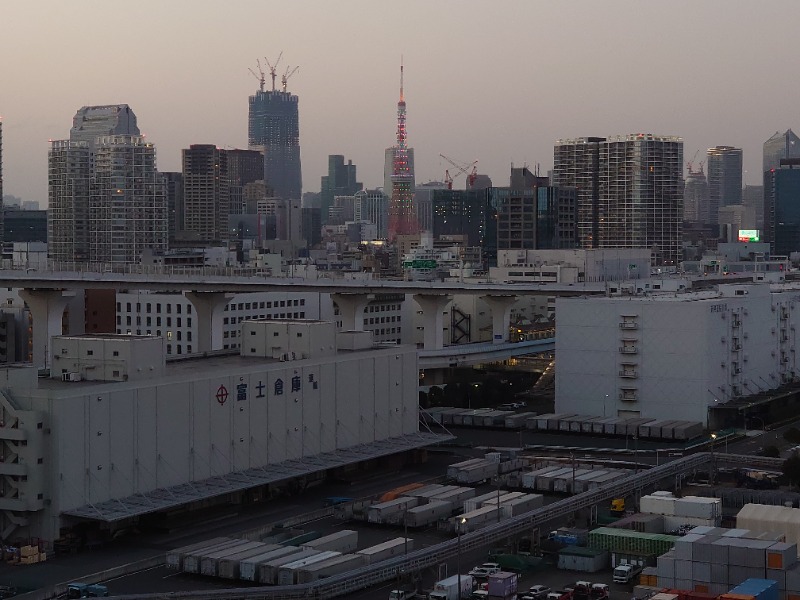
x=496 y=81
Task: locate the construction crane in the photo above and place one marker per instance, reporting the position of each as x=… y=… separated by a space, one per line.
x=286 y=76
x=273 y=69
x=260 y=75
x=690 y=163
x=468 y=169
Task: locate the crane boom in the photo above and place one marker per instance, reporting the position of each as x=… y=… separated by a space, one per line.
x=286 y=76
x=273 y=69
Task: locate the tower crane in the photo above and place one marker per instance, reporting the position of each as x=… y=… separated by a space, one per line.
x=273 y=69
x=690 y=163
x=286 y=76
x=468 y=169
x=260 y=75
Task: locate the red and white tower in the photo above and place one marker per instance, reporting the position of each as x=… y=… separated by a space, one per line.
x=401 y=215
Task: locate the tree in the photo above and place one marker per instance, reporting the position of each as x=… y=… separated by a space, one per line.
x=771 y=452
x=792 y=435
x=791 y=468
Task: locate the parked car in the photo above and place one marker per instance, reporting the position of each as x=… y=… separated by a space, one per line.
x=486 y=569
x=536 y=592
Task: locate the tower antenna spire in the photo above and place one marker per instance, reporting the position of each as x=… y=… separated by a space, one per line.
x=402 y=95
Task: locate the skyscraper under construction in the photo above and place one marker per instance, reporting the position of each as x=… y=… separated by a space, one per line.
x=401 y=211
x=274 y=128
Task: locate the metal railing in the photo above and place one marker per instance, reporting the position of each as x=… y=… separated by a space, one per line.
x=353 y=581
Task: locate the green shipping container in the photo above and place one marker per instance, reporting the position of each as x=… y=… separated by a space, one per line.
x=628 y=541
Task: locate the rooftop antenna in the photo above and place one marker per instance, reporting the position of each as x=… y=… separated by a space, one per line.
x=286 y=76
x=273 y=69
x=260 y=75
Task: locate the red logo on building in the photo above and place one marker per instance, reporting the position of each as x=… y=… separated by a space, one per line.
x=222 y=394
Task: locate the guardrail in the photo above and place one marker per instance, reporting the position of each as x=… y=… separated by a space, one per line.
x=353 y=581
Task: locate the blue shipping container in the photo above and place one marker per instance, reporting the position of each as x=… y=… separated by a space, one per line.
x=762 y=589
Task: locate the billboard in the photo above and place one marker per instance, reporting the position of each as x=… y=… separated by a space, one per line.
x=749 y=235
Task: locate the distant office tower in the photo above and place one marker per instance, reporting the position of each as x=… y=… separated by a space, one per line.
x=695 y=197
x=72 y=181
x=173 y=186
x=373 y=206
x=401 y=209
x=423 y=203
x=780 y=145
x=753 y=198
x=628 y=191
x=91 y=122
x=340 y=181
x=274 y=128
x=127 y=201
x=311 y=228
x=244 y=166
x=782 y=207
x=206 y=194
x=24 y=225
x=724 y=179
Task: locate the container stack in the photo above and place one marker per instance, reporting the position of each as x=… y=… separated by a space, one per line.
x=569 y=479
x=779 y=519
x=661 y=429
x=682 y=512
x=586 y=560
x=755 y=589
x=712 y=560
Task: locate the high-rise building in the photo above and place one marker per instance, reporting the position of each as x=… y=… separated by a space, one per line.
x=91 y=122
x=373 y=206
x=206 y=194
x=780 y=145
x=576 y=164
x=459 y=212
x=73 y=183
x=401 y=209
x=423 y=203
x=274 y=129
x=782 y=207
x=628 y=191
x=753 y=198
x=724 y=179
x=127 y=201
x=340 y=181
x=695 y=197
x=173 y=188
x=311 y=227
x=244 y=166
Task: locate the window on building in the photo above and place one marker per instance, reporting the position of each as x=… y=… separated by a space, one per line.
x=128 y=307
x=149 y=307
x=180 y=349
x=178 y=308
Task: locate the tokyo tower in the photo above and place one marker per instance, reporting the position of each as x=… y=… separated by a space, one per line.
x=401 y=216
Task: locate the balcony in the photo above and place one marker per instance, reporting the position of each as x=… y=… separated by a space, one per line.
x=628 y=350
x=628 y=374
x=628 y=325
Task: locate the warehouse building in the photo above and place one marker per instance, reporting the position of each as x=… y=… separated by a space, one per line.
x=708 y=356
x=117 y=432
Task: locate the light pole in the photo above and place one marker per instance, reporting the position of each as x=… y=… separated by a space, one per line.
x=497 y=481
x=713 y=442
x=459 y=524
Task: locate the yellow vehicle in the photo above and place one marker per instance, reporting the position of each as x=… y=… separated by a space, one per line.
x=618 y=506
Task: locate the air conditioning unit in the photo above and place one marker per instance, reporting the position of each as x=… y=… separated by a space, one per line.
x=71 y=377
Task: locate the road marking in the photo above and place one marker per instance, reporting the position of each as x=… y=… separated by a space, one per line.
x=134 y=573
x=171 y=575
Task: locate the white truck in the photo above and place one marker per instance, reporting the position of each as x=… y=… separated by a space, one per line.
x=402 y=594
x=448 y=589
x=626 y=573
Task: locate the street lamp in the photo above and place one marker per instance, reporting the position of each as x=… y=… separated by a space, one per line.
x=713 y=441
x=459 y=524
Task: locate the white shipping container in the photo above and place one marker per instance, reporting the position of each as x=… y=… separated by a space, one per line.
x=210 y=562
x=456 y=497
x=287 y=571
x=175 y=557
x=452 y=470
x=695 y=506
x=529 y=479
x=379 y=513
x=191 y=561
x=268 y=570
x=477 y=473
x=228 y=567
x=248 y=568
x=475 y=519
x=387 y=549
x=327 y=568
x=476 y=502
x=421 y=516
x=518 y=506
x=344 y=540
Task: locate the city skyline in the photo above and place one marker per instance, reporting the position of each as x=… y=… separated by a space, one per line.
x=468 y=100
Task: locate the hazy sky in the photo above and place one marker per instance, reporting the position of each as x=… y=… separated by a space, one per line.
x=494 y=81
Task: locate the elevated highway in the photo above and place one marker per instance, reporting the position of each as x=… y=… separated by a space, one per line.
x=474 y=354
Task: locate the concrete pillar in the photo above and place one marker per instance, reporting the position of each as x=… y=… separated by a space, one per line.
x=351 y=309
x=501 y=315
x=47 y=313
x=209 y=308
x=432 y=306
